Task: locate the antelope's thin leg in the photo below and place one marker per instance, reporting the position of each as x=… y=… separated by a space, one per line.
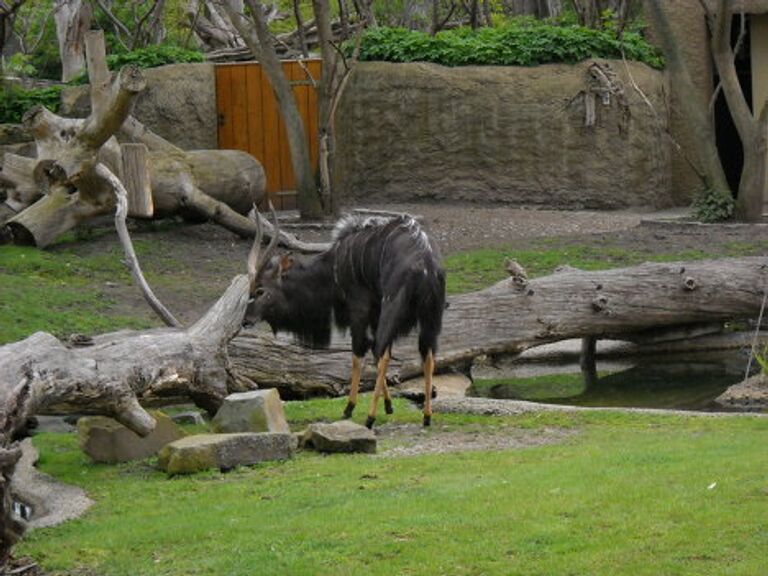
x=429 y=369
x=381 y=382
x=354 y=385
x=387 y=396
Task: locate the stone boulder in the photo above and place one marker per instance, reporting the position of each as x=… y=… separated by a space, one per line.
x=443 y=386
x=749 y=395
x=224 y=451
x=254 y=411
x=106 y=440
x=179 y=104
x=342 y=436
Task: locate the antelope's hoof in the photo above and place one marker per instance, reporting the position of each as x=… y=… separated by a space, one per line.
x=427 y=421
x=348 y=410
x=388 y=406
x=369 y=422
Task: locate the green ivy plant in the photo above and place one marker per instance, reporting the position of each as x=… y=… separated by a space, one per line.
x=517 y=42
x=713 y=206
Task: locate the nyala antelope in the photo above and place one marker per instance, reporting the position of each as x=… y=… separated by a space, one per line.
x=381 y=278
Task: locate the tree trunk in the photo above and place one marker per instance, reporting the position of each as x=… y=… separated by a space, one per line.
x=516 y=314
x=693 y=109
x=73 y=20
x=260 y=41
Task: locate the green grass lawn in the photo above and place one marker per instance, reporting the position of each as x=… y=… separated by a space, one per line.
x=625 y=494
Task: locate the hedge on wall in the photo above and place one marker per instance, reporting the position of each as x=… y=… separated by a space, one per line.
x=523 y=42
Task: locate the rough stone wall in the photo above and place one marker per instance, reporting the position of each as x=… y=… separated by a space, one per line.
x=179 y=104
x=500 y=134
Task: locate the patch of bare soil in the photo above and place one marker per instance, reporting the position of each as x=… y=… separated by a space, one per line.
x=401 y=440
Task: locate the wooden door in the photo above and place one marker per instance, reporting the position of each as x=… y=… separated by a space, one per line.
x=249 y=120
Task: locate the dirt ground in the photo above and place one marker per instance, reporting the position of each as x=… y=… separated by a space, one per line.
x=190 y=265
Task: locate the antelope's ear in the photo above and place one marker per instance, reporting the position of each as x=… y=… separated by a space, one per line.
x=284 y=264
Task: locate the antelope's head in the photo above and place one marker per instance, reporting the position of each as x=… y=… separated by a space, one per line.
x=264 y=272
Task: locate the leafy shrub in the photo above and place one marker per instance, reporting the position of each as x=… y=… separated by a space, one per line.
x=713 y=206
x=518 y=42
x=14 y=101
x=149 y=57
x=153 y=56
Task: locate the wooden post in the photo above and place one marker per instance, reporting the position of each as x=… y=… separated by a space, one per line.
x=135 y=177
x=98 y=72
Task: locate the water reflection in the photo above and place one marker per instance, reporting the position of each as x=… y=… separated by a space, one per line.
x=684 y=382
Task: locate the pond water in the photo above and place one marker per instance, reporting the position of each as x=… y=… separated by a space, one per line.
x=682 y=382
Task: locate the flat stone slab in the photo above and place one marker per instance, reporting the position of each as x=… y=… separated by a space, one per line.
x=254 y=411
x=444 y=386
x=106 y=440
x=51 y=501
x=224 y=451
x=342 y=436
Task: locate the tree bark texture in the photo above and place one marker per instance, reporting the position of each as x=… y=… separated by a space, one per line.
x=693 y=109
x=517 y=314
x=73 y=20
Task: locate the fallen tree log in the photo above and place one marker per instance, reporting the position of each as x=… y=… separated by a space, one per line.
x=517 y=314
x=114 y=373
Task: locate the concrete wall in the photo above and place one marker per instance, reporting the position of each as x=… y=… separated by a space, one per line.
x=500 y=134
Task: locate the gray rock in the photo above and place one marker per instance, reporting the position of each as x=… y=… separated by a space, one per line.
x=443 y=386
x=254 y=411
x=749 y=395
x=191 y=417
x=224 y=451
x=106 y=440
x=179 y=104
x=342 y=436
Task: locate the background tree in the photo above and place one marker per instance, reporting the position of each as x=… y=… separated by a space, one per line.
x=752 y=128
x=73 y=20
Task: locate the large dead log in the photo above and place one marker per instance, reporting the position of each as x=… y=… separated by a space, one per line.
x=113 y=373
x=517 y=314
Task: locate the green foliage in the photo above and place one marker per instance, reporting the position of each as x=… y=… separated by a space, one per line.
x=149 y=57
x=519 y=42
x=14 y=101
x=20 y=65
x=713 y=206
x=153 y=56
x=691 y=490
